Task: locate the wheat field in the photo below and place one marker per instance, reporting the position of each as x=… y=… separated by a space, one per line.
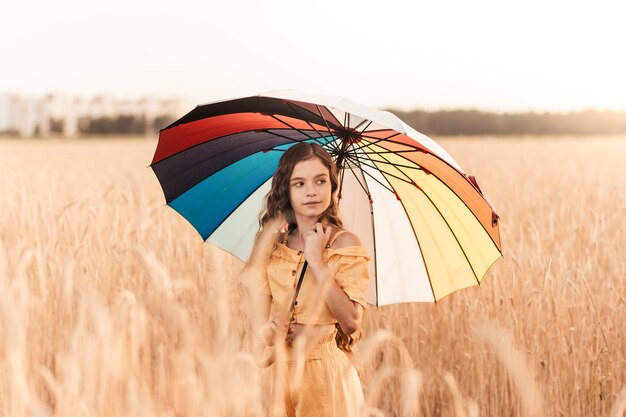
x=111 y=304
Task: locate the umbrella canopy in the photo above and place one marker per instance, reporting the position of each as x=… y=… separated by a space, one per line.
x=426 y=222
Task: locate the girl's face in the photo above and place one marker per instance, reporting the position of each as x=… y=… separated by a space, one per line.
x=309 y=188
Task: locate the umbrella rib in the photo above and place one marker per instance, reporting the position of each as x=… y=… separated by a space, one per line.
x=453 y=234
x=377 y=140
x=408 y=179
x=364 y=129
x=385 y=129
x=359 y=161
x=366 y=189
x=391 y=163
x=440 y=214
x=294 y=108
x=362 y=161
x=284 y=137
x=332 y=144
x=358 y=180
x=324 y=119
x=385 y=160
x=295 y=128
x=339 y=171
x=419 y=246
x=338 y=123
x=363 y=121
x=351 y=148
x=444 y=219
x=391 y=190
x=374 y=140
x=398 y=152
x=434 y=155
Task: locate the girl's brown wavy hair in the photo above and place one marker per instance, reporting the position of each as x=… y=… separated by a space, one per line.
x=277 y=204
x=277 y=200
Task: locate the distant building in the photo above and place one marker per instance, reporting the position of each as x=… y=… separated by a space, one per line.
x=5 y=116
x=45 y=118
x=27 y=117
x=8 y=112
x=67 y=116
x=103 y=107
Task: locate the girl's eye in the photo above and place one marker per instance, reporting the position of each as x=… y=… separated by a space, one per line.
x=298 y=184
x=321 y=181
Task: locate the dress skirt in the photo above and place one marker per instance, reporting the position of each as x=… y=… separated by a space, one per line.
x=319 y=380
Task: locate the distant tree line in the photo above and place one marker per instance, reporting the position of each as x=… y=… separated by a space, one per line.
x=122 y=125
x=444 y=122
x=474 y=122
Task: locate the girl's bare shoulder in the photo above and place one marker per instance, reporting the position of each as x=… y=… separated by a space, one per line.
x=344 y=238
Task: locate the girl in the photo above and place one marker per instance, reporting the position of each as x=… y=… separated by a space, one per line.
x=314 y=278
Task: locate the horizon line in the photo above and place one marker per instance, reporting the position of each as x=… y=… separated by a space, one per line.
x=387 y=107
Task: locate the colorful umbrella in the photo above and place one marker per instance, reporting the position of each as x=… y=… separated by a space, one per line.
x=426 y=222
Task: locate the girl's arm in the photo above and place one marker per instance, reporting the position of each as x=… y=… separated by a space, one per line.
x=265 y=327
x=268 y=326
x=347 y=312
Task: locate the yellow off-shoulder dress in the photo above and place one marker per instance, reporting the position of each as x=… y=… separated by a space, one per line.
x=324 y=383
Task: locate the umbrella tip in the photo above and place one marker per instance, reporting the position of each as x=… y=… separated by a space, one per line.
x=472 y=179
x=494 y=218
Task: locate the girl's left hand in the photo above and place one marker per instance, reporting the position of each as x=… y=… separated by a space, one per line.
x=316 y=241
x=271 y=330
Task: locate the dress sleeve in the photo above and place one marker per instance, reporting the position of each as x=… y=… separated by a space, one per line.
x=352 y=272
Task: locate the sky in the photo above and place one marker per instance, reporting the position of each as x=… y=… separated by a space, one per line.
x=540 y=55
